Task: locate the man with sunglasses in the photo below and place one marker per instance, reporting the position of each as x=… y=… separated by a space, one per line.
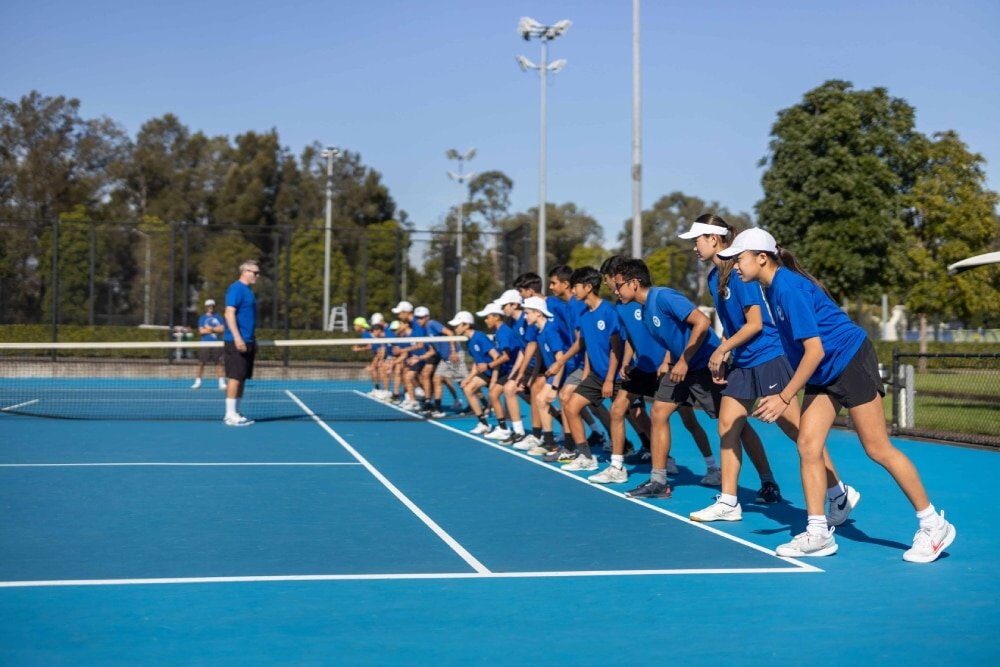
x=240 y=344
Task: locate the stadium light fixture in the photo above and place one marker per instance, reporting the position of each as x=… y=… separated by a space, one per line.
x=529 y=28
x=461 y=178
x=329 y=153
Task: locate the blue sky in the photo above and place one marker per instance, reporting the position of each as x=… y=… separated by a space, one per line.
x=401 y=82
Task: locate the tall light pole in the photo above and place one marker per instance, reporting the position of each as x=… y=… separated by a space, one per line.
x=145 y=287
x=330 y=153
x=636 y=137
x=461 y=178
x=528 y=28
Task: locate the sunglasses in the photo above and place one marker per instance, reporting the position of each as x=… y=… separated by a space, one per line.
x=256 y=273
x=618 y=286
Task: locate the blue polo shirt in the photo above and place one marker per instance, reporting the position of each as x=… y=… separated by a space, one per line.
x=520 y=328
x=573 y=310
x=550 y=341
x=802 y=310
x=241 y=297
x=212 y=320
x=505 y=341
x=417 y=331
x=479 y=347
x=435 y=328
x=731 y=306
x=648 y=353
x=665 y=316
x=597 y=326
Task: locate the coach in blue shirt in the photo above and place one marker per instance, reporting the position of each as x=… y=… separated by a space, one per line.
x=240 y=344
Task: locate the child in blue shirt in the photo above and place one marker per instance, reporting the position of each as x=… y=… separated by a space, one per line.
x=482 y=351
x=552 y=347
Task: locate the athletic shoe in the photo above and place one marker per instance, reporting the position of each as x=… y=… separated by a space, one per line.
x=562 y=455
x=649 y=489
x=713 y=477
x=537 y=450
x=610 y=475
x=929 y=543
x=457 y=407
x=412 y=406
x=671 y=463
x=580 y=463
x=498 y=434
x=807 y=544
x=480 y=428
x=769 y=493
x=527 y=442
x=629 y=449
x=237 y=420
x=841 y=506
x=646 y=456
x=438 y=414
x=197 y=383
x=718 y=511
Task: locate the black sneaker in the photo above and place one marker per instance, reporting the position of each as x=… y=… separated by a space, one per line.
x=650 y=489
x=514 y=438
x=596 y=439
x=769 y=493
x=562 y=455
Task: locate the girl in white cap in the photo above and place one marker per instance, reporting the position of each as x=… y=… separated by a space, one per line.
x=836 y=365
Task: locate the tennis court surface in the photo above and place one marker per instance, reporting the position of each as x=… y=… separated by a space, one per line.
x=377 y=537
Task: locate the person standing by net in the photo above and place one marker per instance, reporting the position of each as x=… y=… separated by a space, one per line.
x=240 y=344
x=209 y=326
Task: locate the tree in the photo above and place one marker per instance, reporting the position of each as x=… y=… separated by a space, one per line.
x=566 y=227
x=489 y=198
x=588 y=254
x=306 y=306
x=838 y=163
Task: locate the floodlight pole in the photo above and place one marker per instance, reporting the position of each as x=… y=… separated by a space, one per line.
x=329 y=154
x=461 y=178
x=543 y=70
x=636 y=137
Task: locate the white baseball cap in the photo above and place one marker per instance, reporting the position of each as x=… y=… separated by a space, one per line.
x=752 y=239
x=492 y=308
x=377 y=318
x=209 y=302
x=403 y=307
x=510 y=296
x=462 y=317
x=395 y=324
x=422 y=311
x=537 y=303
x=700 y=229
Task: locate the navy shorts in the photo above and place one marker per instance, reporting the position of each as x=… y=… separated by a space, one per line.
x=749 y=384
x=859 y=382
x=641 y=383
x=697 y=390
x=417 y=367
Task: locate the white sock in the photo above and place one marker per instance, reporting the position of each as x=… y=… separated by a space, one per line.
x=231 y=407
x=197 y=382
x=929 y=518
x=817 y=525
x=836 y=491
x=618 y=461
x=518 y=427
x=710 y=462
x=728 y=499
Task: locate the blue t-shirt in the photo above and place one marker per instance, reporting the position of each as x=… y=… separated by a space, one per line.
x=520 y=328
x=417 y=331
x=665 y=316
x=241 y=297
x=561 y=315
x=550 y=341
x=731 y=306
x=648 y=353
x=435 y=328
x=212 y=320
x=801 y=309
x=573 y=310
x=479 y=347
x=505 y=341
x=596 y=329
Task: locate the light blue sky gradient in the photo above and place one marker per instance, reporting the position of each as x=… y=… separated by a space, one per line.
x=401 y=82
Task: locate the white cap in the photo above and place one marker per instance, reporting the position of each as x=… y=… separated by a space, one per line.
x=492 y=308
x=510 y=296
x=209 y=302
x=403 y=307
x=377 y=318
x=422 y=311
x=537 y=303
x=700 y=229
x=752 y=239
x=462 y=317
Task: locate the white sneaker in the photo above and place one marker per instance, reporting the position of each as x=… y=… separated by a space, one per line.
x=438 y=414
x=237 y=420
x=807 y=544
x=498 y=434
x=718 y=511
x=610 y=475
x=929 y=543
x=410 y=405
x=197 y=383
x=528 y=443
x=537 y=450
x=713 y=477
x=222 y=384
x=672 y=466
x=580 y=463
x=480 y=428
x=841 y=506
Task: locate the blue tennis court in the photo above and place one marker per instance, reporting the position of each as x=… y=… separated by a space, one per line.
x=396 y=539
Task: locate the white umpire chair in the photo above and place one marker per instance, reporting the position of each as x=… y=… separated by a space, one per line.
x=338 y=318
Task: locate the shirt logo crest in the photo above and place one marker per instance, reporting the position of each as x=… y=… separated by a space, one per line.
x=726 y=293
x=781 y=313
x=638 y=314
x=600 y=325
x=656 y=321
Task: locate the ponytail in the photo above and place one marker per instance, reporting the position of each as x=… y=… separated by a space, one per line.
x=725 y=240
x=787 y=259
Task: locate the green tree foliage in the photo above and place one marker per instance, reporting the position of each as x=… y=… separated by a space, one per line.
x=306 y=305
x=567 y=226
x=838 y=163
x=589 y=254
x=489 y=198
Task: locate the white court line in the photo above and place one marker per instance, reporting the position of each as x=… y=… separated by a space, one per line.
x=387 y=577
x=438 y=530
x=716 y=531
x=19 y=405
x=176 y=464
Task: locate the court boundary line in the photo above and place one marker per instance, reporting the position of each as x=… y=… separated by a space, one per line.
x=20 y=405
x=804 y=566
x=464 y=554
x=397 y=577
x=192 y=464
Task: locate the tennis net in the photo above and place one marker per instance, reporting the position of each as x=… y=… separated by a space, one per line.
x=156 y=381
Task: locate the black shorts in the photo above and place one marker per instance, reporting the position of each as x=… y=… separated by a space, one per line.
x=433 y=361
x=697 y=390
x=209 y=355
x=859 y=382
x=590 y=389
x=641 y=383
x=239 y=365
x=748 y=384
x=485 y=377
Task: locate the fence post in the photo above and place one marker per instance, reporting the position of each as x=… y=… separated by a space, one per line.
x=90 y=276
x=185 y=288
x=288 y=290
x=895 y=390
x=399 y=263
x=910 y=408
x=55 y=283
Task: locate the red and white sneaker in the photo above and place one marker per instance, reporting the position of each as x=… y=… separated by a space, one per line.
x=929 y=543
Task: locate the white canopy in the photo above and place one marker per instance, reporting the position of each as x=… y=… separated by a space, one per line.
x=972 y=262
